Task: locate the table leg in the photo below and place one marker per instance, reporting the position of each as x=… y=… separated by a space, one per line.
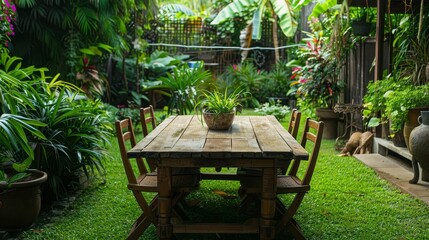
x=268 y=203
x=165 y=228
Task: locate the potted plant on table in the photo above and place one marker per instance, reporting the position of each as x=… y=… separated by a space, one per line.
x=219 y=108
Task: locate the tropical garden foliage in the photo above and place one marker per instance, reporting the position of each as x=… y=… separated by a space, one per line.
x=60 y=123
x=65 y=130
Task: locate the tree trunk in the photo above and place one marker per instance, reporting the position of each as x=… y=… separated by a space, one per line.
x=275 y=38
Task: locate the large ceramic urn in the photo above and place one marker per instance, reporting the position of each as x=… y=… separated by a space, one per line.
x=419 y=147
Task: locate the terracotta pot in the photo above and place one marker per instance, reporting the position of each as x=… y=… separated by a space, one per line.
x=398 y=139
x=216 y=121
x=412 y=122
x=419 y=145
x=20 y=203
x=330 y=118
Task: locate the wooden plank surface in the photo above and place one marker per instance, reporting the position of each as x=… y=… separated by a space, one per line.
x=299 y=152
x=270 y=142
x=249 y=137
x=136 y=150
x=169 y=136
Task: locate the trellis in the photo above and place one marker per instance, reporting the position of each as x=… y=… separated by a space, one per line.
x=201 y=41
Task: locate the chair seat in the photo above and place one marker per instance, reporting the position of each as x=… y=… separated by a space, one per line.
x=149 y=182
x=285 y=184
x=290 y=184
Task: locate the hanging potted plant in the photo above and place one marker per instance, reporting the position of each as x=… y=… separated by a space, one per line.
x=361 y=21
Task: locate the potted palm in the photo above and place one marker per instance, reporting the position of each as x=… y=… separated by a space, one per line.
x=218 y=108
x=20 y=199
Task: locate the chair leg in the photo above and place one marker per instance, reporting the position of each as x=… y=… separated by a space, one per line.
x=139 y=227
x=142 y=222
x=147 y=209
x=296 y=231
x=288 y=215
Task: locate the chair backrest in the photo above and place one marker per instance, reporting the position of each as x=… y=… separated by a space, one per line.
x=126 y=137
x=147 y=116
x=295 y=118
x=313 y=132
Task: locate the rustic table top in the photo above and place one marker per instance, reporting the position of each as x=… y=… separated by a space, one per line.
x=185 y=136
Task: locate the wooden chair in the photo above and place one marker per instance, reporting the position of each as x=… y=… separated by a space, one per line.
x=142 y=180
x=293 y=127
x=295 y=119
x=147 y=116
x=292 y=183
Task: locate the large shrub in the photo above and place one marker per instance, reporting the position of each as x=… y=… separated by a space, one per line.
x=76 y=128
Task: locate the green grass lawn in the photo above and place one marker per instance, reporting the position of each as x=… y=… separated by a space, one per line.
x=347 y=201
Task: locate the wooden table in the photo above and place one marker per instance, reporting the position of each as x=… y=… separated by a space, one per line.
x=251 y=142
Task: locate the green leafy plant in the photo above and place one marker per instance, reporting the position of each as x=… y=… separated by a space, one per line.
x=272 y=108
x=15 y=129
x=221 y=102
x=361 y=14
x=375 y=100
x=184 y=86
x=244 y=76
x=277 y=82
x=400 y=101
x=91 y=81
x=316 y=70
x=159 y=63
x=77 y=131
x=67 y=132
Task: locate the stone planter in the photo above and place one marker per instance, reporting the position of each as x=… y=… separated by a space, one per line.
x=330 y=118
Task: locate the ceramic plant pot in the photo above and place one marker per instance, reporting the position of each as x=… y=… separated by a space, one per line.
x=216 y=121
x=419 y=147
x=20 y=202
x=411 y=123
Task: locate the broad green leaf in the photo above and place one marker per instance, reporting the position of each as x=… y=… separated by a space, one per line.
x=21 y=167
x=374 y=122
x=234 y=7
x=17 y=177
x=321 y=7
x=87 y=51
x=256 y=22
x=285 y=15
x=298 y=4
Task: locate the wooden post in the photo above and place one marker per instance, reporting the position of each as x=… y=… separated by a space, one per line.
x=379 y=47
x=379 y=40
